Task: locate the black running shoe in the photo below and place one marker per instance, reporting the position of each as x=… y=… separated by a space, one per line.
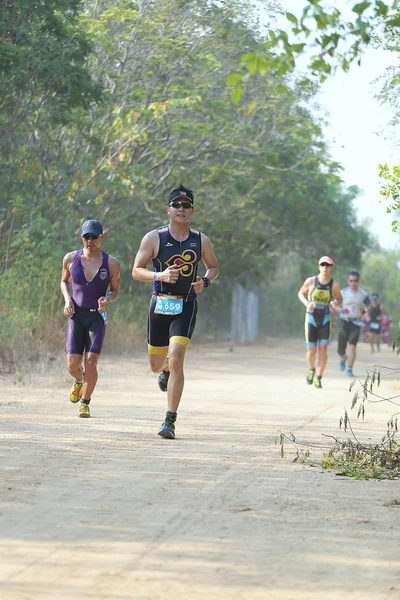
x=168 y=427
x=163 y=380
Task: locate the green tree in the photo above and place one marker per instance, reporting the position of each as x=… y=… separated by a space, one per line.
x=43 y=51
x=323 y=33
x=381 y=275
x=264 y=181
x=330 y=41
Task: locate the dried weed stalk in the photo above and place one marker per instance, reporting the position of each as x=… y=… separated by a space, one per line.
x=351 y=457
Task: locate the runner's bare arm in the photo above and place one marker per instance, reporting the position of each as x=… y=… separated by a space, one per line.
x=337 y=295
x=115 y=280
x=209 y=259
x=210 y=262
x=115 y=283
x=69 y=308
x=303 y=292
x=148 y=250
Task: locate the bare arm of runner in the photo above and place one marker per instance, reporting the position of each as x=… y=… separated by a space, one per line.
x=148 y=250
x=303 y=292
x=210 y=262
x=115 y=283
x=69 y=308
x=337 y=299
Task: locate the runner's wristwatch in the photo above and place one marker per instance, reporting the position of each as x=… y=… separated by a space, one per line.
x=206 y=281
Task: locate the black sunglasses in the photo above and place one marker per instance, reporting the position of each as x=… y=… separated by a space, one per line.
x=179 y=203
x=325 y=265
x=90 y=236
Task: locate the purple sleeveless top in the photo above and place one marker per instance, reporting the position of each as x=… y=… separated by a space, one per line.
x=85 y=294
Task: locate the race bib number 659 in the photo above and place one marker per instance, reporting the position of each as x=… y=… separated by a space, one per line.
x=165 y=306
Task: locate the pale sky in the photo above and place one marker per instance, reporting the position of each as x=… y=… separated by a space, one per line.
x=355 y=118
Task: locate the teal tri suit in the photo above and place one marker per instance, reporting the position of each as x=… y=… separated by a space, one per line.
x=318 y=322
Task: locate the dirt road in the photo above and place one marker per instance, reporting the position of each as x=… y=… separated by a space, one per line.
x=104 y=508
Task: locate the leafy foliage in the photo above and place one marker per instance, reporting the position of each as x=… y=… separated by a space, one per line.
x=390 y=189
x=43 y=50
x=331 y=41
x=380 y=274
x=371 y=461
x=322 y=32
x=264 y=181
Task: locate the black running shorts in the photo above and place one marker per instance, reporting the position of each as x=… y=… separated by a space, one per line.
x=348 y=334
x=85 y=333
x=163 y=329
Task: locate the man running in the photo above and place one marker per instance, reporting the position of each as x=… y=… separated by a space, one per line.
x=350 y=323
x=385 y=324
x=375 y=313
x=317 y=294
x=176 y=251
x=91 y=272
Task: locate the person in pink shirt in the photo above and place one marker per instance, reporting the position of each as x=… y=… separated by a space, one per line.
x=385 y=324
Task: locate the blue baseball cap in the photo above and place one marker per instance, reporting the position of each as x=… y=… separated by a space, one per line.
x=92 y=226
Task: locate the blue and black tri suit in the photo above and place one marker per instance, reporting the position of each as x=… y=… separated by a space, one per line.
x=375 y=319
x=163 y=329
x=318 y=322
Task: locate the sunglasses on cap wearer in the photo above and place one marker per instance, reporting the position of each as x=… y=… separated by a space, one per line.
x=325 y=264
x=179 y=203
x=90 y=236
x=353 y=280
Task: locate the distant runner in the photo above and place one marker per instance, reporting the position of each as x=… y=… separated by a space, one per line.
x=317 y=294
x=176 y=250
x=91 y=272
x=375 y=313
x=385 y=324
x=354 y=300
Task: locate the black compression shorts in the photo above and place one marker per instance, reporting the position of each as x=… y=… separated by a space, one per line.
x=161 y=329
x=85 y=333
x=348 y=334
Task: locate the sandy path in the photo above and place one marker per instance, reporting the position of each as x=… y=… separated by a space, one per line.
x=104 y=508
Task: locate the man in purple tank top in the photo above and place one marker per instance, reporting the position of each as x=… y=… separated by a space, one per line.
x=91 y=272
x=176 y=251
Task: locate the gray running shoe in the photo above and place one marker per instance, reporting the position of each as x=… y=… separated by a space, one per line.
x=163 y=380
x=168 y=427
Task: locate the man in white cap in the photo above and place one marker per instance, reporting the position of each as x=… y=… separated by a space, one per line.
x=317 y=294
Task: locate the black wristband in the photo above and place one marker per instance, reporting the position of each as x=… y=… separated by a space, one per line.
x=206 y=281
